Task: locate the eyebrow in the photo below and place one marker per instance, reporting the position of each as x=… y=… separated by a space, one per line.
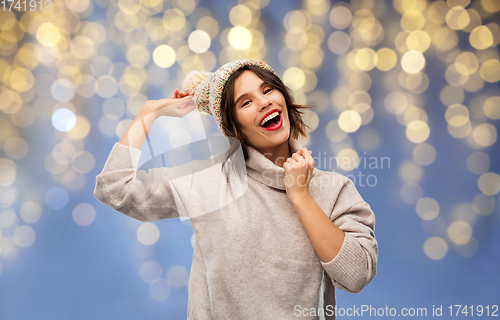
x=243 y=96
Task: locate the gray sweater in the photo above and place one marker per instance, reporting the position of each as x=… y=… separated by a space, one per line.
x=252 y=257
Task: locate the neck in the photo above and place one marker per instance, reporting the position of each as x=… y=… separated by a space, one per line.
x=277 y=154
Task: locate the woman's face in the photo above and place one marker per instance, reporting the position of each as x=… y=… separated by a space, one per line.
x=255 y=101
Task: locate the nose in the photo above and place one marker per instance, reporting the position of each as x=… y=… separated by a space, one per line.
x=264 y=102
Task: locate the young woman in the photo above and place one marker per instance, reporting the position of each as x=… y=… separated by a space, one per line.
x=277 y=251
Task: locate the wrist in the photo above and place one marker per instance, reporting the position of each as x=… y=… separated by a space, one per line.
x=299 y=198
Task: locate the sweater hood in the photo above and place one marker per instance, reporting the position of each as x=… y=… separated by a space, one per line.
x=265 y=171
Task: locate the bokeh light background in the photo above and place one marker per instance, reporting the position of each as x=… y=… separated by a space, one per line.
x=412 y=81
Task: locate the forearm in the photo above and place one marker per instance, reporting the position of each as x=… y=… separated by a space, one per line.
x=325 y=236
x=137 y=131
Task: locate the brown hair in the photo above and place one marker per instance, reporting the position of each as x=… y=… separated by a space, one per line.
x=230 y=123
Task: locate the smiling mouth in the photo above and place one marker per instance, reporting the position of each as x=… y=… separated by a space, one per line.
x=274 y=121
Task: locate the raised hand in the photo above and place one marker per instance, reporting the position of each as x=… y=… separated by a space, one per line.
x=298 y=173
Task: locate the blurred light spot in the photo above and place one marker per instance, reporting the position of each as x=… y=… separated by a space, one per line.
x=240 y=15
x=294 y=78
x=456 y=74
x=81 y=128
x=478 y=162
x=199 y=41
x=417 y=131
x=490 y=70
x=339 y=42
x=139 y=250
x=62 y=90
x=450 y=95
x=347 y=159
x=457 y=18
x=435 y=248
x=444 y=38
x=72 y=180
x=365 y=59
x=334 y=132
x=193 y=240
x=16 y=148
x=461 y=131
x=24 y=236
x=160 y=290
x=8 y=171
x=150 y=271
x=177 y=277
x=22 y=80
x=297 y=20
x=30 y=211
x=485 y=134
x=24 y=117
x=209 y=25
x=412 y=114
x=82 y=47
x=101 y=66
x=469 y=249
x=490 y=5
x=106 y=86
x=427 y=208
x=464 y=212
x=413 y=61
x=240 y=38
x=483 y=204
x=434 y=226
x=56 y=198
x=311 y=119
x=138 y=56
x=481 y=38
x=386 y=59
x=418 y=40
x=489 y=183
x=349 y=121
x=491 y=108
x=8 y=195
x=469 y=61
x=7 y=219
x=84 y=214
x=174 y=19
x=457 y=115
x=396 y=102
x=412 y=20
x=411 y=192
x=460 y=232
x=77 y=5
x=410 y=171
x=164 y=56
x=360 y=81
x=340 y=17
x=122 y=127
x=113 y=108
x=63 y=119
x=424 y=154
x=474 y=84
x=48 y=34
x=148 y=233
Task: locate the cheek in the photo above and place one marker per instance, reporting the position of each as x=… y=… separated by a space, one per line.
x=244 y=119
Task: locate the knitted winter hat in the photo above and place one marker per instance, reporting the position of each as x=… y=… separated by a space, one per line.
x=206 y=87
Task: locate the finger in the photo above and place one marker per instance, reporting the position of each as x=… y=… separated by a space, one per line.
x=309 y=158
x=162 y=103
x=297 y=157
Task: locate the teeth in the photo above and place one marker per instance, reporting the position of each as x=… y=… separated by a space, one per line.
x=269 y=117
